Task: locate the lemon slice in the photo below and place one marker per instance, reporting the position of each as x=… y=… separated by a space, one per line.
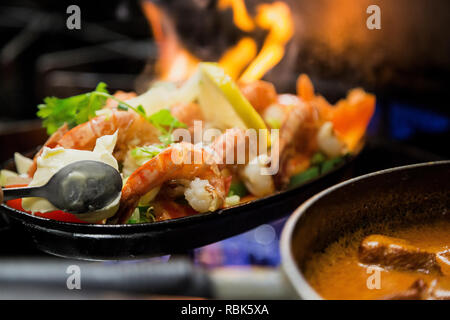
x=222 y=103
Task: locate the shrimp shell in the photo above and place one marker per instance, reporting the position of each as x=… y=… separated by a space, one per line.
x=179 y=161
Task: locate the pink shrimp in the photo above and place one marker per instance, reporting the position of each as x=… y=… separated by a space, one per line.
x=234 y=147
x=181 y=161
x=260 y=94
x=133 y=130
x=298 y=135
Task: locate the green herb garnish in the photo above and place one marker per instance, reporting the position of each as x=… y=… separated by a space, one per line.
x=162 y=120
x=238 y=189
x=81 y=108
x=142 y=214
x=304 y=176
x=73 y=110
x=165 y=123
x=318 y=158
x=142 y=154
x=330 y=164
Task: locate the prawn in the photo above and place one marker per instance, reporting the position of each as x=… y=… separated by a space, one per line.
x=236 y=142
x=260 y=94
x=187 y=113
x=181 y=161
x=133 y=130
x=234 y=147
x=298 y=135
x=350 y=117
x=300 y=127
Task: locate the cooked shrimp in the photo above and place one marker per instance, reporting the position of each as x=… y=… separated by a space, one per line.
x=350 y=116
x=187 y=113
x=179 y=161
x=277 y=113
x=300 y=127
x=298 y=134
x=260 y=94
x=258 y=184
x=133 y=130
x=328 y=143
x=305 y=88
x=166 y=209
x=233 y=147
x=121 y=95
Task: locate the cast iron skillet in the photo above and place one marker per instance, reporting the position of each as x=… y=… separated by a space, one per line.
x=117 y=242
x=399 y=196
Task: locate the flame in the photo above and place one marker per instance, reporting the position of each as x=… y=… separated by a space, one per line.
x=234 y=60
x=276 y=18
x=241 y=17
x=242 y=61
x=175 y=63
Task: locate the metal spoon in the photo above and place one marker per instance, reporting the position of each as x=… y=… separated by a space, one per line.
x=80 y=187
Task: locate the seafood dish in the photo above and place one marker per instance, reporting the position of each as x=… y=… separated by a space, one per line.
x=193 y=147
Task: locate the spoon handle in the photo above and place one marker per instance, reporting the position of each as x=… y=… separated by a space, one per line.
x=15 y=193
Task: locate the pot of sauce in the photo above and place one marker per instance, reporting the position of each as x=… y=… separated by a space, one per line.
x=385 y=235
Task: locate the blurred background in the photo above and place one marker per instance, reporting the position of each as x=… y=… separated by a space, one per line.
x=128 y=44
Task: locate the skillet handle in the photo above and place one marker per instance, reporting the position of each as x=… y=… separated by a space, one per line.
x=178 y=278
x=175 y=278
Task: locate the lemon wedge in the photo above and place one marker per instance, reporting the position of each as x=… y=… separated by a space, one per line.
x=222 y=103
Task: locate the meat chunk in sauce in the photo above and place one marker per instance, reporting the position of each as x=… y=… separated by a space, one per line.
x=439 y=289
x=416 y=292
x=398 y=254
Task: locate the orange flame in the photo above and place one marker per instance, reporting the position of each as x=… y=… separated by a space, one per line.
x=242 y=61
x=175 y=63
x=234 y=60
x=276 y=18
x=241 y=17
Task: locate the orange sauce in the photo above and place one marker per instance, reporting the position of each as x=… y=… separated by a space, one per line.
x=337 y=273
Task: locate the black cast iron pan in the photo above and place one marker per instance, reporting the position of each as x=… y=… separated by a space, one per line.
x=117 y=242
x=398 y=197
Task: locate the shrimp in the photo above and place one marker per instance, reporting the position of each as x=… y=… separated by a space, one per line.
x=260 y=94
x=236 y=143
x=305 y=88
x=258 y=184
x=298 y=134
x=300 y=127
x=233 y=147
x=121 y=95
x=187 y=113
x=350 y=117
x=133 y=129
x=181 y=161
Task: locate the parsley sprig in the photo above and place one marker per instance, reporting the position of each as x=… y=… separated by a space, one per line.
x=73 y=110
x=81 y=108
x=165 y=123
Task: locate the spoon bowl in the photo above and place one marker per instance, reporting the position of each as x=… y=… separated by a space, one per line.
x=80 y=187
